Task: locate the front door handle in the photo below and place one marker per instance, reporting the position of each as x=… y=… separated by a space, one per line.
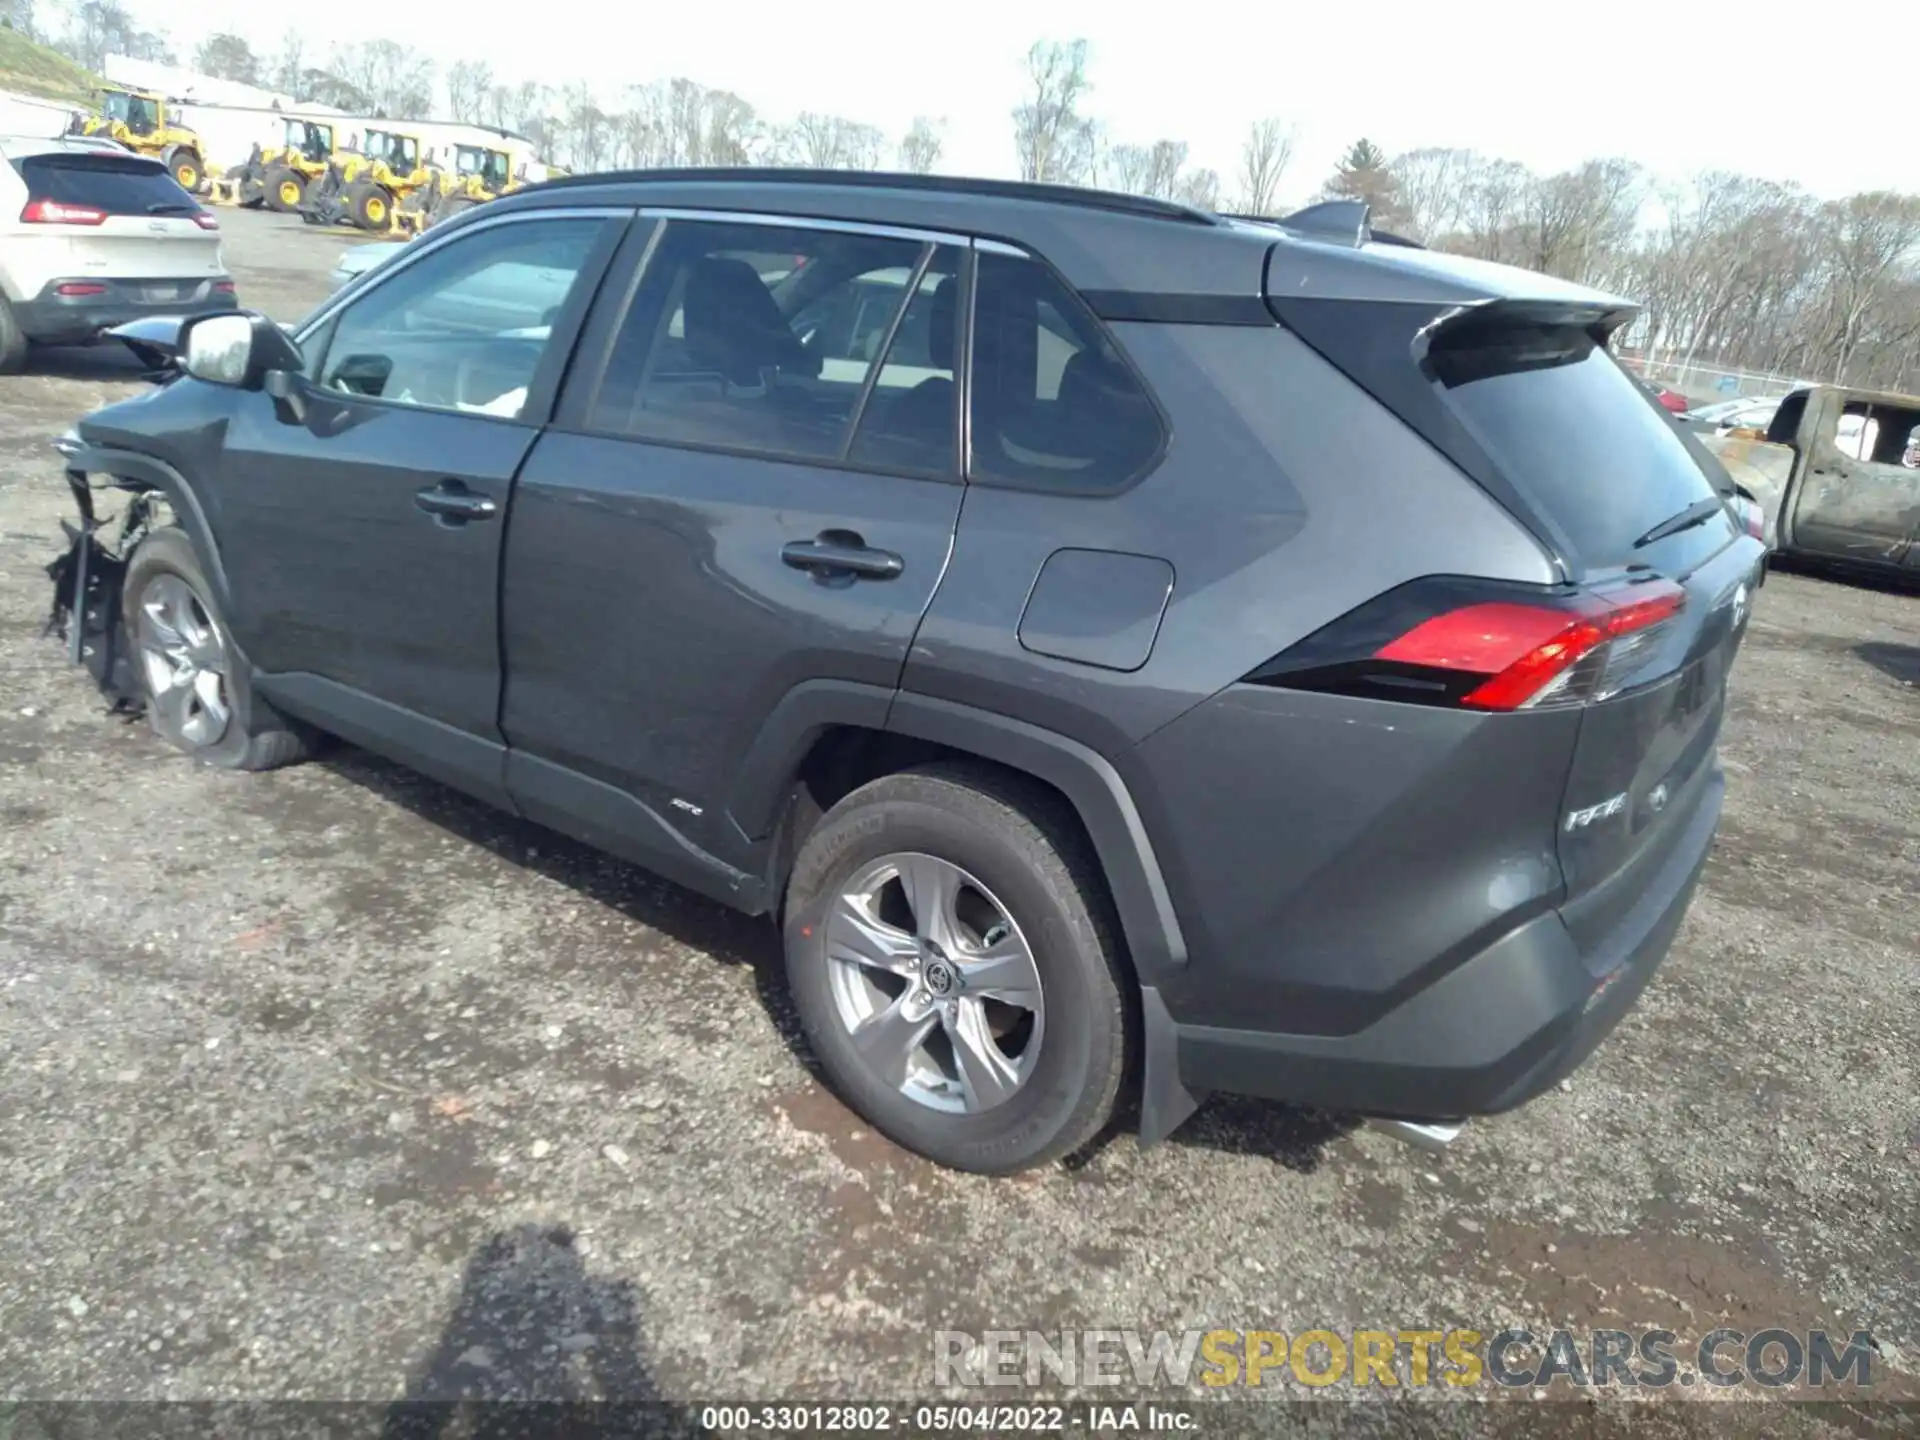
x=452 y=503
x=836 y=553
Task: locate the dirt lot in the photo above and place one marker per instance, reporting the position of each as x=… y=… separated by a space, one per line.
x=299 y=1072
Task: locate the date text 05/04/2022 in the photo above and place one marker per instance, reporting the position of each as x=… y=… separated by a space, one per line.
x=854 y=1419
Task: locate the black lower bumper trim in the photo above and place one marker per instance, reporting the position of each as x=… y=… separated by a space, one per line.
x=1489 y=1035
x=55 y=319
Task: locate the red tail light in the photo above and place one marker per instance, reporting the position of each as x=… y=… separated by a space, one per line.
x=79 y=287
x=54 y=212
x=1445 y=642
x=206 y=220
x=223 y=287
x=1756 y=518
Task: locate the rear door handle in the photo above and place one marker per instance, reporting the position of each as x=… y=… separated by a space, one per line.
x=835 y=553
x=452 y=503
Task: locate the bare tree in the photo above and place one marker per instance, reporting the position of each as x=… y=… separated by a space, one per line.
x=1264 y=157
x=20 y=17
x=1165 y=160
x=1053 y=139
x=921 y=146
x=469 y=90
x=1433 y=184
x=290 y=65
x=1128 y=167
x=398 y=80
x=828 y=142
x=1198 y=188
x=97 y=29
x=585 y=131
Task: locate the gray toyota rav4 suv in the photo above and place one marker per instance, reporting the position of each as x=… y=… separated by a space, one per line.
x=1131 y=652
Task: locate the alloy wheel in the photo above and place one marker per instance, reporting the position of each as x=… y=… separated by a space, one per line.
x=935 y=983
x=185 y=660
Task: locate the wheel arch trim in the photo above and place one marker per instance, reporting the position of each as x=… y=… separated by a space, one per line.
x=132 y=470
x=1092 y=786
x=1090 y=783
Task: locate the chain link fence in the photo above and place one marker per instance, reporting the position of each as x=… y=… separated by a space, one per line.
x=1703 y=384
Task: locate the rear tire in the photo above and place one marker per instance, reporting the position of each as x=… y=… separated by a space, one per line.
x=1022 y=1058
x=199 y=699
x=13 y=344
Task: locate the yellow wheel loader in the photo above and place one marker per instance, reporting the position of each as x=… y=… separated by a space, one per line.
x=478 y=175
x=277 y=176
x=138 y=120
x=365 y=186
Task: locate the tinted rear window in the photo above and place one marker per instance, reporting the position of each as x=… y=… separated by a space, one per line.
x=1572 y=431
x=120 y=185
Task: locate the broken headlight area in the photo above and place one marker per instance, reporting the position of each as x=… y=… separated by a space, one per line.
x=88 y=583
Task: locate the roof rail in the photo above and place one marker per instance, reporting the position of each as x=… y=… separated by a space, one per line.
x=1109 y=200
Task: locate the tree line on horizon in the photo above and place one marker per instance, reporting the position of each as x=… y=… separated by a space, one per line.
x=1732 y=270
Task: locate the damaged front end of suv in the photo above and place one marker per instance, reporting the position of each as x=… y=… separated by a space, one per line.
x=89 y=579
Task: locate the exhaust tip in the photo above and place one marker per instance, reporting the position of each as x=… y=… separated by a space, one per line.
x=1430 y=1135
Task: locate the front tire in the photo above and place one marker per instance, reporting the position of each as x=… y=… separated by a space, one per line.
x=198 y=696
x=370 y=206
x=950 y=956
x=187 y=169
x=285 y=190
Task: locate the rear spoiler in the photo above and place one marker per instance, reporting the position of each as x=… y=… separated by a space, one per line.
x=1344 y=221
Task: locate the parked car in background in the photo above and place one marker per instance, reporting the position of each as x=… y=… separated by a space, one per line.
x=1747 y=413
x=93 y=236
x=1670 y=400
x=1007 y=589
x=357 y=260
x=1835 y=480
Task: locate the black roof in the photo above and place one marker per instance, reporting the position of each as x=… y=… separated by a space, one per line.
x=1100 y=240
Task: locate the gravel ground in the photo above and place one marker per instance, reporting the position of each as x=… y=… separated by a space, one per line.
x=333 y=1084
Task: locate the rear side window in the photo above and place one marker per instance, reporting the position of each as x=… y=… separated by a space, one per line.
x=804 y=344
x=117 y=184
x=1054 y=404
x=1573 y=432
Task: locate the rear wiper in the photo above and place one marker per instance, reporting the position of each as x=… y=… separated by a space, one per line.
x=171 y=207
x=1697 y=513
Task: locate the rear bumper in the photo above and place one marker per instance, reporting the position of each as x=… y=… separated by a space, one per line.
x=55 y=319
x=1490 y=1034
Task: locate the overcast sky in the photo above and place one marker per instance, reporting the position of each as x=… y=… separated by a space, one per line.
x=1675 y=84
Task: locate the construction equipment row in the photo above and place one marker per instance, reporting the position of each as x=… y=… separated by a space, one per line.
x=383 y=178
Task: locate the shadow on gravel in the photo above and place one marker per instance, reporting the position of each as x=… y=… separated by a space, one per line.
x=644 y=898
x=1838 y=572
x=1896 y=662
x=1291 y=1137
x=536 y=1345
x=109 y=360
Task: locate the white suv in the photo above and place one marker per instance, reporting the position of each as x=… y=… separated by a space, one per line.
x=92 y=236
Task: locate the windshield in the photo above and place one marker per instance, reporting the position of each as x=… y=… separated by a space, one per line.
x=139 y=115
x=314 y=141
x=399 y=151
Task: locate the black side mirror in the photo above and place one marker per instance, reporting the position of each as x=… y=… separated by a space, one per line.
x=238 y=349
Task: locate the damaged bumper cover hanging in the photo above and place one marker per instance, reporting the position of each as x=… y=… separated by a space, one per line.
x=88 y=581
